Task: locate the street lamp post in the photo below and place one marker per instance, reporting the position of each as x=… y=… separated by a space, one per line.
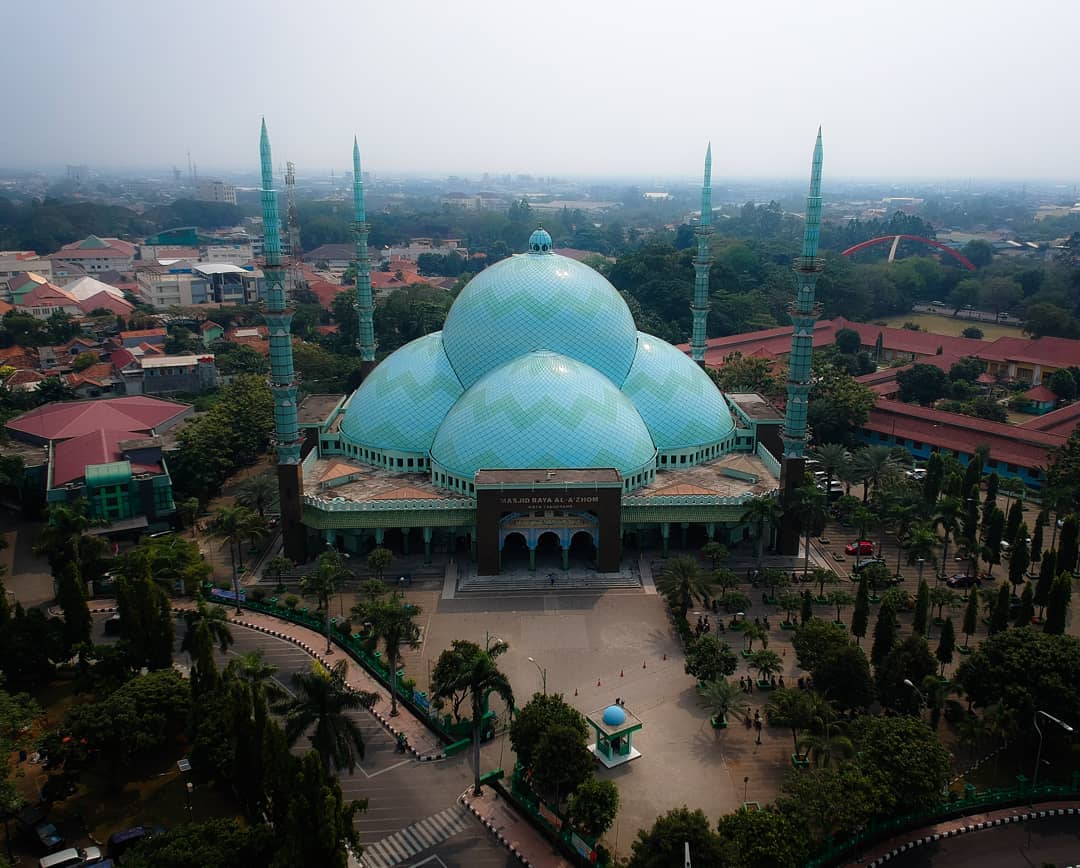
x=543 y=674
x=922 y=699
x=1038 y=755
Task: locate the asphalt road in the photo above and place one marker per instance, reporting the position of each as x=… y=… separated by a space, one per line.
x=1051 y=841
x=412 y=804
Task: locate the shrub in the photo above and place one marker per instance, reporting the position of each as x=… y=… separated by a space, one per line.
x=258 y=595
x=291 y=602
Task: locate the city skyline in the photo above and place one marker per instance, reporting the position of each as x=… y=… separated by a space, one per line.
x=606 y=91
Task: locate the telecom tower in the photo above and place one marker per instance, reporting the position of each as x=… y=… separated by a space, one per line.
x=296 y=252
x=804 y=313
x=703 y=231
x=365 y=341
x=278 y=316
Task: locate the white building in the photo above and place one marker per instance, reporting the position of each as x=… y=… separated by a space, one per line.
x=97 y=254
x=216 y=191
x=14 y=262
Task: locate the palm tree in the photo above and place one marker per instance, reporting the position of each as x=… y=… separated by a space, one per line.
x=841 y=599
x=65 y=539
x=476 y=673
x=392 y=622
x=253 y=669
x=903 y=514
x=681 y=582
x=321 y=704
x=229 y=526
x=824 y=738
x=754 y=631
x=811 y=506
x=832 y=457
x=766 y=663
x=872 y=463
x=947 y=517
x=761 y=513
x=277 y=566
x=721 y=698
x=921 y=542
x=324 y=583
x=190 y=510
x=865 y=520
x=258 y=493
x=791 y=708
x=207 y=626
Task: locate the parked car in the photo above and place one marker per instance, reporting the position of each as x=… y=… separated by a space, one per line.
x=112 y=626
x=962 y=580
x=916 y=473
x=72 y=858
x=121 y=842
x=862 y=563
x=47 y=836
x=860 y=547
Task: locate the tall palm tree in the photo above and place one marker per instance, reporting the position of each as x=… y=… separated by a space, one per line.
x=324 y=583
x=207 y=626
x=832 y=457
x=824 y=738
x=321 y=704
x=259 y=493
x=251 y=667
x=921 y=542
x=189 y=510
x=761 y=513
x=947 y=517
x=229 y=526
x=873 y=463
x=903 y=514
x=392 y=622
x=65 y=539
x=477 y=673
x=811 y=506
x=683 y=581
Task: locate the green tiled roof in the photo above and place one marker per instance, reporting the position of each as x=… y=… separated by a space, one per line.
x=543 y=410
x=676 y=398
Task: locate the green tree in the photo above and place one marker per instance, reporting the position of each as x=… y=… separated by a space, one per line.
x=709 y=658
x=922 y=609
x=233 y=525
x=1046 y=578
x=995 y=529
x=1063 y=384
x=761 y=513
x=190 y=509
x=218 y=843
x=903 y=756
x=816 y=638
x=1069 y=544
x=811 y=507
x=1015 y=519
x=324 y=584
x=593 y=806
x=1020 y=559
x=843 y=674
x=65 y=539
x=947 y=517
x=541 y=713
x=1057 y=606
x=378 y=560
x=1026 y=610
x=934 y=479
x=829 y=802
x=832 y=458
x=663 y=845
x=207 y=627
x=682 y=582
x=562 y=762
x=806 y=609
x=946 y=644
x=321 y=703
x=468 y=668
x=145 y=620
x=886 y=630
x=393 y=623
x=909 y=660
x=765 y=663
x=999 y=614
x=259 y=493
x=715 y=552
x=764 y=838
x=721 y=698
x=793 y=709
x=860 y=618
x=71 y=597
x=923 y=384
x=921 y=543
x=993 y=481
x=971 y=617
x=1037 y=537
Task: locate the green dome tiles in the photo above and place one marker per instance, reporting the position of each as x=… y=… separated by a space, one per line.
x=543 y=410
x=539 y=301
x=678 y=401
x=404 y=400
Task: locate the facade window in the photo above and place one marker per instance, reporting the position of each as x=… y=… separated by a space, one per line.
x=1012 y=468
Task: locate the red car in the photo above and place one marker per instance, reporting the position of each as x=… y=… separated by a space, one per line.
x=862 y=547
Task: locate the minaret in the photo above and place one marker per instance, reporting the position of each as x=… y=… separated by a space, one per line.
x=365 y=311
x=278 y=316
x=700 y=307
x=804 y=313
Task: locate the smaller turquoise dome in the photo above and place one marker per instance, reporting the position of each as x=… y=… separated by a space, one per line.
x=614 y=716
x=540 y=241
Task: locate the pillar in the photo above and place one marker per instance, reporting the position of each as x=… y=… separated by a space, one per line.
x=405 y=540
x=532 y=556
x=328 y=538
x=665 y=533
x=710 y=530
x=380 y=534
x=683 y=528
x=565 y=557
x=427 y=545
x=472 y=543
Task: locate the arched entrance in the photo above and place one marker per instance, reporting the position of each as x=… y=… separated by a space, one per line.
x=548 y=552
x=548 y=538
x=515 y=552
x=582 y=551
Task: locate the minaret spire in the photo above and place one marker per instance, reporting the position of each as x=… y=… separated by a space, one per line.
x=278 y=318
x=365 y=341
x=804 y=313
x=700 y=306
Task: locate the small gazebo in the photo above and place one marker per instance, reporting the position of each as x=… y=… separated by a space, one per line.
x=614 y=726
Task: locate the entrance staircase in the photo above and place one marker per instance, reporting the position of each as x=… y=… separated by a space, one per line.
x=541 y=582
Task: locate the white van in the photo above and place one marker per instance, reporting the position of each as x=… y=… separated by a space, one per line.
x=71 y=858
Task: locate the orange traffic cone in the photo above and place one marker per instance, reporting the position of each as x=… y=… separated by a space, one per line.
x=665 y=656
x=643 y=664
x=620 y=673
x=597 y=682
x=575 y=691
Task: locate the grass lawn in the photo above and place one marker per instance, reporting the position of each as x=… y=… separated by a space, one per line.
x=946 y=325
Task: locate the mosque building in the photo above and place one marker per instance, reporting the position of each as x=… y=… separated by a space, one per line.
x=538 y=429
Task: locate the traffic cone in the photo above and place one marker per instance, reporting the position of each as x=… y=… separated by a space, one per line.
x=665 y=656
x=620 y=673
x=597 y=682
x=575 y=691
x=643 y=664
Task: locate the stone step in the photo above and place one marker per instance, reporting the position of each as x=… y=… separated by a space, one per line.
x=542 y=582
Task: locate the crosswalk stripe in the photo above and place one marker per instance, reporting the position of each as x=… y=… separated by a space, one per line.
x=414 y=838
x=423 y=835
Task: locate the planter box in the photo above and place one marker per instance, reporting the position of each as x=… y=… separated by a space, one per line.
x=840 y=624
x=964 y=650
x=763 y=685
x=800 y=762
x=746 y=654
x=788 y=625
x=718 y=723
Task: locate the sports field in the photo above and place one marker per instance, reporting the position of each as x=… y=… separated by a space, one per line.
x=946 y=325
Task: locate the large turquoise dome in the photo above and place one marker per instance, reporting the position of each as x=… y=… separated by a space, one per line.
x=539 y=301
x=664 y=384
x=401 y=404
x=543 y=410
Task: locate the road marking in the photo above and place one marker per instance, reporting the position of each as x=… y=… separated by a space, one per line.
x=397 y=848
x=387 y=769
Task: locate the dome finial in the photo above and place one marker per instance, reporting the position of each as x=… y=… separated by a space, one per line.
x=540 y=241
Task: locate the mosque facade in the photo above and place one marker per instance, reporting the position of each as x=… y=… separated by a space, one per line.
x=539 y=428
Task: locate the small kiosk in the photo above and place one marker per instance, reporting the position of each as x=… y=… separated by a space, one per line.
x=614 y=727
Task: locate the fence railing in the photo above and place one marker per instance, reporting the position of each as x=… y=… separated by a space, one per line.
x=972 y=800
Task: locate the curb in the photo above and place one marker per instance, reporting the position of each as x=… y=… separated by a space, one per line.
x=496 y=833
x=973 y=827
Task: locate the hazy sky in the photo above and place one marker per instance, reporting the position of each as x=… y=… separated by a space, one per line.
x=922 y=88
